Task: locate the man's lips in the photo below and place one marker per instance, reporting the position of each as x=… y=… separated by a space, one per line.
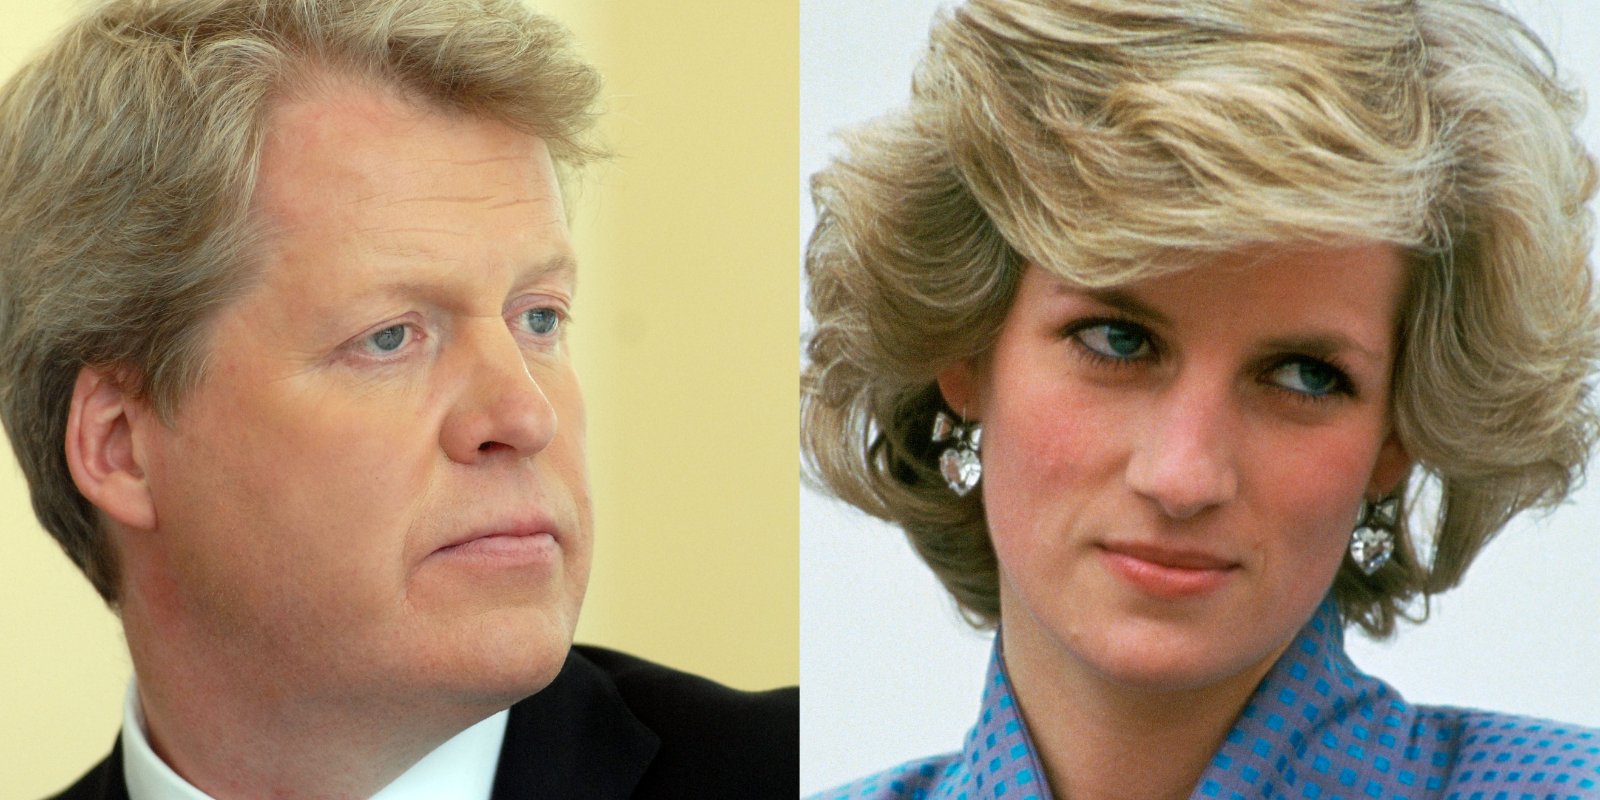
x=521 y=538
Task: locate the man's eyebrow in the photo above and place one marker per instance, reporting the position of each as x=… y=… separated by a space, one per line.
x=561 y=265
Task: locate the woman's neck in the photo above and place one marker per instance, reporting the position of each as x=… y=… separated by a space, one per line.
x=1098 y=739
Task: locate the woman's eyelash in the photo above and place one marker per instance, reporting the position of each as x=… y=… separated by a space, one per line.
x=1338 y=379
x=1113 y=334
x=1113 y=343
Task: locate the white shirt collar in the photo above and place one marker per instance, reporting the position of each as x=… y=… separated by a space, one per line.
x=460 y=769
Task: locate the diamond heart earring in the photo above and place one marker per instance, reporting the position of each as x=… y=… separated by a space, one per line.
x=959 y=462
x=1372 y=542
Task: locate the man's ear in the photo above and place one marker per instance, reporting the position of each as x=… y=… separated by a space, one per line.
x=1392 y=466
x=961 y=385
x=102 y=453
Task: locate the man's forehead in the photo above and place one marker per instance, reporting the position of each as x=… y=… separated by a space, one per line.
x=352 y=141
x=362 y=192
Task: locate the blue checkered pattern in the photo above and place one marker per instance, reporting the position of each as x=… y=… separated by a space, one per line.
x=1316 y=728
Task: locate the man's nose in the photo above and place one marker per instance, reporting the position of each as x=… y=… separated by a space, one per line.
x=500 y=408
x=1183 y=461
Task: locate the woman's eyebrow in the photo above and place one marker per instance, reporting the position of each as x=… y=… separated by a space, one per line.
x=1126 y=303
x=1318 y=344
x=1322 y=344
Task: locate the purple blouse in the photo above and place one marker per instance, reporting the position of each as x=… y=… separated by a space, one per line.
x=1317 y=728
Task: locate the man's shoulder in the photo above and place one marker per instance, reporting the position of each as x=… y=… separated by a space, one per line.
x=102 y=782
x=672 y=701
x=720 y=740
x=615 y=725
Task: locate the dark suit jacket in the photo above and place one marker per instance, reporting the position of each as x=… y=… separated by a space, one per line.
x=611 y=726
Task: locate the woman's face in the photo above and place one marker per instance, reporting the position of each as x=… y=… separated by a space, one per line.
x=1171 y=470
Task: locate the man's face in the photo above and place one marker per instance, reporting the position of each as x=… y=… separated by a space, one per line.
x=379 y=488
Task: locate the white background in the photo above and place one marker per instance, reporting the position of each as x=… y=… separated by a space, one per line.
x=891 y=673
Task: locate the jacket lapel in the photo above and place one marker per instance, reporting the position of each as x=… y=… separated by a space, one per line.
x=576 y=738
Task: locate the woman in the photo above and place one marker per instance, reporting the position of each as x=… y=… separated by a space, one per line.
x=1227 y=288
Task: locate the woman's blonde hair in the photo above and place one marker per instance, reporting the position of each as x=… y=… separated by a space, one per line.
x=128 y=156
x=1110 y=141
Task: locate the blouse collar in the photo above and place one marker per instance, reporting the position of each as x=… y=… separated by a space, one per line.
x=1313 y=704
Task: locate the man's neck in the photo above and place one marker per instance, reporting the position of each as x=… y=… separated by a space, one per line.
x=464 y=767
x=258 y=739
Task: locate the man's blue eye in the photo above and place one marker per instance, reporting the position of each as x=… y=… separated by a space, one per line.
x=542 y=321
x=389 y=339
x=1115 y=340
x=1307 y=377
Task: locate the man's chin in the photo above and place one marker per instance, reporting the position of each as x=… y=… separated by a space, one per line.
x=484 y=689
x=497 y=658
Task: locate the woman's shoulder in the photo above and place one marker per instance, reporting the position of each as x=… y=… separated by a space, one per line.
x=1484 y=751
x=1333 y=731
x=914 y=779
x=1317 y=726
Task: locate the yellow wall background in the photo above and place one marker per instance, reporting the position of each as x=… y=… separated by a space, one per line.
x=685 y=340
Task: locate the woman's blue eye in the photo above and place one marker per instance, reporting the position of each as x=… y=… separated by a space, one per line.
x=1115 y=340
x=1307 y=377
x=542 y=321
x=388 y=340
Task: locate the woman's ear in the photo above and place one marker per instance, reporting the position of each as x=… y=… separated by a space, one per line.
x=1392 y=466
x=101 y=448
x=961 y=385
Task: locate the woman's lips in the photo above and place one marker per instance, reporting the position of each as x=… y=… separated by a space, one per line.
x=1167 y=573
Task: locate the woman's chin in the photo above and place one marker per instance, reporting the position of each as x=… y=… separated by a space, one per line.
x=1162 y=675
x=1148 y=656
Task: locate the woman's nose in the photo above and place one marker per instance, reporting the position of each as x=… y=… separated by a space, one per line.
x=1183 y=460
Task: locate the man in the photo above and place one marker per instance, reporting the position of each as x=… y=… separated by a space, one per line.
x=282 y=357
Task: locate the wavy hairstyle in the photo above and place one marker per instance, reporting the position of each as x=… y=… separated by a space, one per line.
x=1111 y=141
x=128 y=156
